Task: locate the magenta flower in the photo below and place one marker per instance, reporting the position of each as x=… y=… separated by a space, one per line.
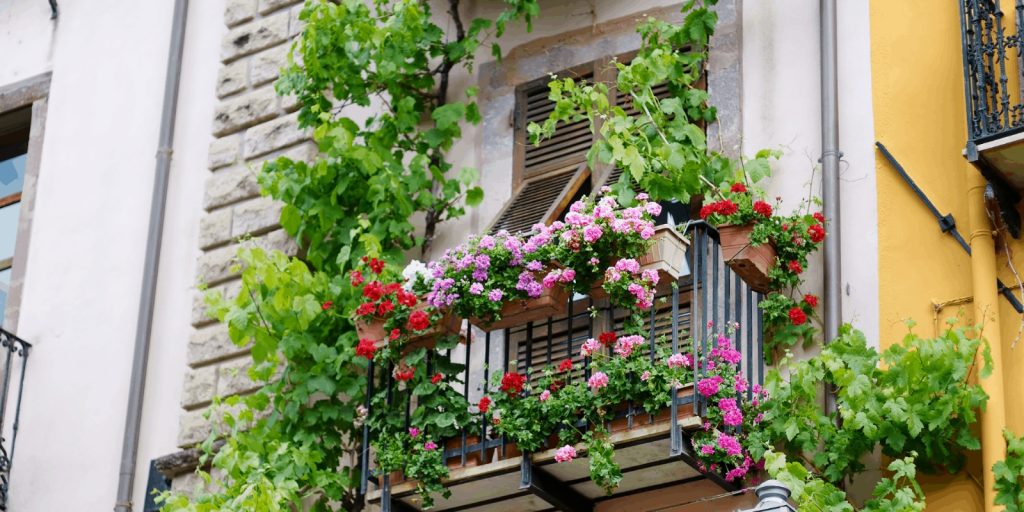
x=624 y=346
x=598 y=381
x=413 y=431
x=707 y=449
x=729 y=444
x=709 y=386
x=733 y=417
x=645 y=376
x=679 y=361
x=545 y=395
x=429 y=445
x=592 y=233
x=565 y=454
x=627 y=265
x=741 y=385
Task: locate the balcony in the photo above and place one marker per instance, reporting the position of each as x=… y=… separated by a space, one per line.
x=488 y=472
x=993 y=56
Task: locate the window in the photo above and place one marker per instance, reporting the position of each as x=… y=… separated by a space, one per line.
x=550 y=176
x=14 y=139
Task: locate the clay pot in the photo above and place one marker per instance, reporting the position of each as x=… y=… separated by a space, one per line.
x=667 y=255
x=751 y=263
x=373 y=328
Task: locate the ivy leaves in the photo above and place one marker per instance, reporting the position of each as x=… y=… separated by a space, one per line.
x=1009 y=475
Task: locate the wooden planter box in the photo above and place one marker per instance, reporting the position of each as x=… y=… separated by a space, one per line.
x=553 y=302
x=751 y=263
x=667 y=255
x=373 y=329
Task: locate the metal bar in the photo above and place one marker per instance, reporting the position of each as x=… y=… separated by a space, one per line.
x=548 y=488
x=17 y=404
x=676 y=441
x=364 y=454
x=946 y=222
x=483 y=419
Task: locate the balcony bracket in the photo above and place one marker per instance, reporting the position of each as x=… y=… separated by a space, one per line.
x=548 y=488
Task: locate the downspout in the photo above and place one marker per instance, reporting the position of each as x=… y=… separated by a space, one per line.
x=147 y=300
x=830 y=168
x=986 y=312
x=830 y=178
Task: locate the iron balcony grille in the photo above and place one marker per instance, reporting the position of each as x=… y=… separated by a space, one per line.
x=712 y=293
x=16 y=351
x=993 y=85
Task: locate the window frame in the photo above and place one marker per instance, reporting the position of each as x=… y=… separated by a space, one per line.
x=33 y=93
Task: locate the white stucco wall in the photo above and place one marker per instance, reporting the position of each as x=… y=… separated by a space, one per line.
x=782 y=110
x=88 y=239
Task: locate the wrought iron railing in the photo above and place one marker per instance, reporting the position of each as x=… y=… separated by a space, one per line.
x=993 y=70
x=16 y=351
x=712 y=295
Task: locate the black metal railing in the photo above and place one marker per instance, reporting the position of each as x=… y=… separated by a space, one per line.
x=16 y=351
x=709 y=298
x=993 y=70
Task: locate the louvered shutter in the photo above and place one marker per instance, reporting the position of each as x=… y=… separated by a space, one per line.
x=541 y=199
x=569 y=144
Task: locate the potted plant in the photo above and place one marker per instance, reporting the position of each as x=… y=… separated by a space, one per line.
x=744 y=230
x=392 y=315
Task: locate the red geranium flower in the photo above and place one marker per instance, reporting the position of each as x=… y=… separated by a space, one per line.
x=373 y=290
x=356 y=277
x=512 y=383
x=406 y=298
x=385 y=307
x=366 y=348
x=727 y=207
x=816 y=232
x=484 y=405
x=366 y=309
x=607 y=338
x=392 y=287
x=794 y=267
x=797 y=316
x=404 y=374
x=377 y=266
x=418 y=321
x=706 y=211
x=565 y=365
x=395 y=333
x=819 y=217
x=436 y=378
x=763 y=209
x=738 y=188
x=811 y=300
x=327 y=305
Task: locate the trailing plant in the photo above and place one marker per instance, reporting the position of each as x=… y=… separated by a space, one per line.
x=1009 y=474
x=733 y=411
x=913 y=398
x=372 y=177
x=794 y=237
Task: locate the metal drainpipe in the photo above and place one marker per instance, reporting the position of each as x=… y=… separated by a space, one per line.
x=147 y=300
x=830 y=155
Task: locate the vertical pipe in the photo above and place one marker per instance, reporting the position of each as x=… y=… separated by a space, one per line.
x=986 y=312
x=147 y=299
x=830 y=167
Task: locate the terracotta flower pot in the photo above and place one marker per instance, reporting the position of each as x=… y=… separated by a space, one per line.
x=751 y=263
x=472 y=456
x=667 y=255
x=553 y=301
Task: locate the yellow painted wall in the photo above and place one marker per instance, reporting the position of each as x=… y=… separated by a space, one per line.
x=917 y=81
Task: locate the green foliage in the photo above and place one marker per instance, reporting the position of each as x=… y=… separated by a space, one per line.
x=912 y=398
x=357 y=198
x=1009 y=475
x=663 y=148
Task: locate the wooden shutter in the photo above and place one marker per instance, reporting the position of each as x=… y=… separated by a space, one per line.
x=541 y=199
x=569 y=144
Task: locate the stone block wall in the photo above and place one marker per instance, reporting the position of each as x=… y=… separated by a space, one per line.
x=251 y=124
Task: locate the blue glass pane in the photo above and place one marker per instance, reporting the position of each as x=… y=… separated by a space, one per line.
x=12 y=175
x=5 y=285
x=8 y=229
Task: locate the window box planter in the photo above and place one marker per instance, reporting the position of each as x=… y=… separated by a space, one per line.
x=751 y=263
x=373 y=328
x=553 y=302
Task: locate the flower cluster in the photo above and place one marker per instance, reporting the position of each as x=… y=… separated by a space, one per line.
x=631 y=288
x=733 y=410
